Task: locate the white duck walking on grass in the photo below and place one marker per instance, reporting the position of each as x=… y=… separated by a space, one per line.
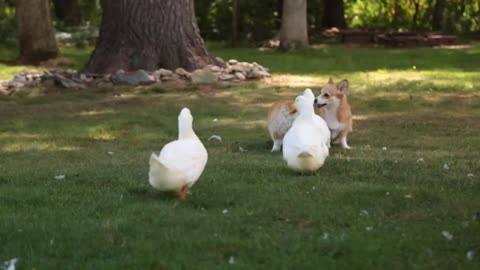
x=180 y=162
x=306 y=143
x=318 y=120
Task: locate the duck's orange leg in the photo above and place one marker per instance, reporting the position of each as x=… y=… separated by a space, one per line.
x=183 y=193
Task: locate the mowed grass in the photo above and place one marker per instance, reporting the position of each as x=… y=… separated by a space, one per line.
x=413 y=173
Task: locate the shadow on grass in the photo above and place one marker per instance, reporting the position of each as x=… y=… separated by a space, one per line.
x=150 y=194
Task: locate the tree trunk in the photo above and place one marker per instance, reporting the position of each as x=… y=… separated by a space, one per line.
x=416 y=5
x=68 y=11
x=293 y=34
x=35 y=31
x=234 y=21
x=437 y=17
x=334 y=14
x=148 y=35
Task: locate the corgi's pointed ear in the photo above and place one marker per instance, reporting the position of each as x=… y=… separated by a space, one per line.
x=343 y=86
x=330 y=81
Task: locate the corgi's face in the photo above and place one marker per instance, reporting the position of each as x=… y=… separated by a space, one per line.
x=331 y=94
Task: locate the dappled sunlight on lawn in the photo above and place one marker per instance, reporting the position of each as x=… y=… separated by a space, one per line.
x=42 y=146
x=95 y=112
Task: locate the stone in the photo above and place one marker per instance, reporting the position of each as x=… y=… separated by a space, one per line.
x=203 y=76
x=257 y=73
x=48 y=82
x=240 y=76
x=20 y=78
x=226 y=77
x=3 y=90
x=174 y=77
x=232 y=62
x=67 y=83
x=15 y=84
x=133 y=78
x=216 y=69
x=182 y=72
x=238 y=68
x=105 y=85
x=83 y=77
x=220 y=60
x=158 y=74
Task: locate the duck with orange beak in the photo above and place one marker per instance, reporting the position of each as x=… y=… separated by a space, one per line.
x=181 y=162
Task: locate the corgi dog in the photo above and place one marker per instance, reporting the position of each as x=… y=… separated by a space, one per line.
x=280 y=119
x=336 y=111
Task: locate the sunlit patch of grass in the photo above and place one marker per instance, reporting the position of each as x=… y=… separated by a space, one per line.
x=95 y=112
x=40 y=146
x=101 y=133
x=7 y=72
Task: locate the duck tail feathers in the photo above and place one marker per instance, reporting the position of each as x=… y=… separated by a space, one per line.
x=305 y=154
x=156 y=164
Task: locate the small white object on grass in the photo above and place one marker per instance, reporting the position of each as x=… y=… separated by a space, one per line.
x=11 y=264
x=387 y=193
x=408 y=196
x=215 y=120
x=470 y=255
x=384 y=148
x=225 y=211
x=364 y=212
x=215 y=137
x=471 y=175
x=242 y=149
x=445 y=166
x=420 y=160
x=325 y=236
x=447 y=235
x=231 y=260
x=369 y=228
x=414 y=67
x=59 y=177
x=110 y=152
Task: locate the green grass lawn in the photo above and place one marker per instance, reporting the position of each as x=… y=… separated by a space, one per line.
x=367 y=208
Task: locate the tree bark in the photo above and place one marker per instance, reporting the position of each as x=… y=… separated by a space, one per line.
x=68 y=12
x=35 y=31
x=294 y=34
x=334 y=14
x=416 y=5
x=234 y=21
x=437 y=17
x=148 y=35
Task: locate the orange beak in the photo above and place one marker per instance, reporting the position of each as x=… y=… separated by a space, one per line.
x=292 y=109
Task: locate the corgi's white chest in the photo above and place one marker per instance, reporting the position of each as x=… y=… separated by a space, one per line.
x=332 y=122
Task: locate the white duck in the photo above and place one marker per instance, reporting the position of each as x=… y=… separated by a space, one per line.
x=319 y=121
x=305 y=145
x=180 y=162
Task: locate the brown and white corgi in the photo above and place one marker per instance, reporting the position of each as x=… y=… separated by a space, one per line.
x=336 y=111
x=280 y=120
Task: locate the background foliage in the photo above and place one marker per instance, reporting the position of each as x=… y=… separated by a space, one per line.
x=260 y=20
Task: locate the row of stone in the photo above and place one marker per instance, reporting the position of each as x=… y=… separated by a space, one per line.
x=232 y=70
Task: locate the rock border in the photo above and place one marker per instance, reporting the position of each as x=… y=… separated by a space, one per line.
x=234 y=71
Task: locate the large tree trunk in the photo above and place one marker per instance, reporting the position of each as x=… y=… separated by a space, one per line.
x=437 y=17
x=148 y=35
x=35 y=31
x=68 y=11
x=334 y=14
x=293 y=34
x=416 y=5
